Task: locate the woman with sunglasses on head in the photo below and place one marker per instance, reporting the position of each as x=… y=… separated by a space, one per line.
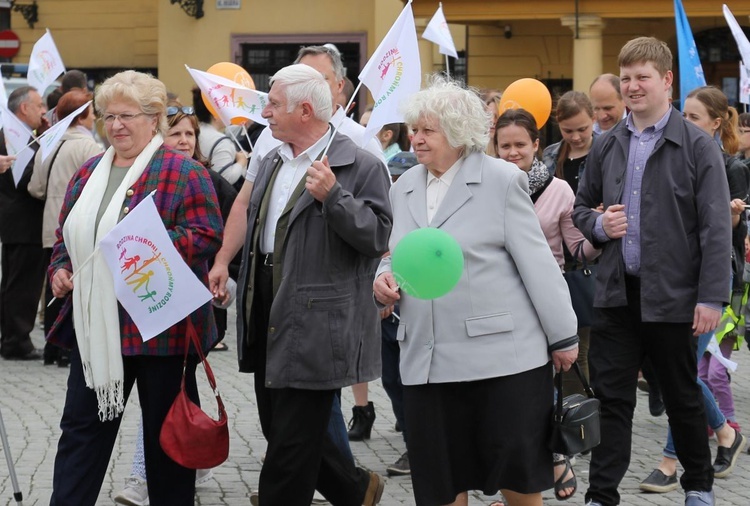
x=182 y=136
x=108 y=354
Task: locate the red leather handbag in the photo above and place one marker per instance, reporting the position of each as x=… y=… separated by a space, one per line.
x=188 y=435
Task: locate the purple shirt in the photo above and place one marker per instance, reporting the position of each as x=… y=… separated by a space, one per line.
x=641 y=146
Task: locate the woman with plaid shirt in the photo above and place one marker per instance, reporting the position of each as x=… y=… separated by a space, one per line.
x=107 y=352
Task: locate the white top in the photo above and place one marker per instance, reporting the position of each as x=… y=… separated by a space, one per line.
x=290 y=174
x=267 y=142
x=224 y=153
x=437 y=187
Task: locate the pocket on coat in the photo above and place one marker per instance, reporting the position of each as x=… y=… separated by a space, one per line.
x=329 y=302
x=489 y=324
x=401 y=332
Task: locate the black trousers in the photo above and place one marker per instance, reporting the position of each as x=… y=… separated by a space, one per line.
x=22 y=275
x=300 y=457
x=620 y=341
x=85 y=446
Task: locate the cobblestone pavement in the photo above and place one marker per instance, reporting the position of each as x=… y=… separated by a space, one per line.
x=31 y=398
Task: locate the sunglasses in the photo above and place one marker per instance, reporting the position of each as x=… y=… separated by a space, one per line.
x=171 y=111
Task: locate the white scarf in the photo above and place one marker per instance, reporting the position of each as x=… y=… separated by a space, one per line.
x=95 y=315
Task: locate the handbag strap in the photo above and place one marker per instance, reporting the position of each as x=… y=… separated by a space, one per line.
x=192 y=336
x=558 y=386
x=582 y=256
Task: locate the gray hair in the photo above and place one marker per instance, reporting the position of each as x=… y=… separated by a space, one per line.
x=332 y=53
x=303 y=83
x=146 y=91
x=459 y=111
x=19 y=96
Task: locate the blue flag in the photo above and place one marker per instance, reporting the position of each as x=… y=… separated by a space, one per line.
x=691 y=71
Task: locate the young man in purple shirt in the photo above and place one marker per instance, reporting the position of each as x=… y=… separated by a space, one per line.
x=664 y=270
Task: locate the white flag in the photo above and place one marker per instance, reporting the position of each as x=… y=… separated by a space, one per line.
x=230 y=100
x=744 y=84
x=45 y=63
x=17 y=136
x=152 y=281
x=49 y=139
x=739 y=36
x=437 y=31
x=393 y=73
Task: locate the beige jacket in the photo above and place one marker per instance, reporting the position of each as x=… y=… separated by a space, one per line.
x=77 y=148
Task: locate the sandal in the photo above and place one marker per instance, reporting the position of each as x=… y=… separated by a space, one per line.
x=561 y=485
x=220 y=347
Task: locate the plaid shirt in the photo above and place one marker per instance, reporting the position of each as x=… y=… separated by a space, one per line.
x=185 y=198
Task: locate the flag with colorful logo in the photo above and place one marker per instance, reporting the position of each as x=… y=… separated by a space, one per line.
x=437 y=31
x=45 y=63
x=230 y=100
x=49 y=139
x=393 y=73
x=17 y=136
x=152 y=281
x=691 y=70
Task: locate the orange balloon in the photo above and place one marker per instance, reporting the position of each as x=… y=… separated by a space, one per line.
x=529 y=94
x=235 y=73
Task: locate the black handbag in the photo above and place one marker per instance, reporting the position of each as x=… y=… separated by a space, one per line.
x=581 y=283
x=575 y=423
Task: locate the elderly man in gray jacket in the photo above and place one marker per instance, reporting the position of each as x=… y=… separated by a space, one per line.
x=317 y=227
x=664 y=270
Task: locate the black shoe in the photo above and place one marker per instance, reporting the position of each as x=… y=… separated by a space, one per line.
x=659 y=482
x=63 y=361
x=726 y=458
x=32 y=355
x=360 y=426
x=398 y=427
x=655 y=403
x=400 y=467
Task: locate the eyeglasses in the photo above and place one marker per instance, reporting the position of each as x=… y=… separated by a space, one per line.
x=744 y=130
x=172 y=110
x=125 y=117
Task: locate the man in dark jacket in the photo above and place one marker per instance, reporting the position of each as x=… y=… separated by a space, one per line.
x=664 y=270
x=316 y=229
x=23 y=262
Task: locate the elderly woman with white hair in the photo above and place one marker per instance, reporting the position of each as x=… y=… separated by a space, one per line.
x=108 y=354
x=476 y=363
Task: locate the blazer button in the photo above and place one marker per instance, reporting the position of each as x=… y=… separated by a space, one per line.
x=129 y=193
x=125 y=210
x=429 y=345
x=271 y=330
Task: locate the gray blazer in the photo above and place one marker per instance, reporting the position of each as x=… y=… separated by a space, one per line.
x=511 y=306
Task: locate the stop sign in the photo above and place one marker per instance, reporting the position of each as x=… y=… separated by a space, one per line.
x=9 y=44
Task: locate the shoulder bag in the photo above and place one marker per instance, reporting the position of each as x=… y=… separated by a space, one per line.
x=575 y=423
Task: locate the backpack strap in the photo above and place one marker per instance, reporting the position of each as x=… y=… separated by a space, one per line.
x=51 y=164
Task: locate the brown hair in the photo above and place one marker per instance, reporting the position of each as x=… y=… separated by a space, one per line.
x=518 y=117
x=71 y=101
x=717 y=106
x=176 y=118
x=570 y=104
x=400 y=135
x=646 y=49
x=743 y=120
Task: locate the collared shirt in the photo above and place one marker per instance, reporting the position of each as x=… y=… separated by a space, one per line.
x=437 y=187
x=267 y=142
x=641 y=146
x=290 y=174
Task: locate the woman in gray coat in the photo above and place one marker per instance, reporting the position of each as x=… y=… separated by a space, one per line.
x=476 y=363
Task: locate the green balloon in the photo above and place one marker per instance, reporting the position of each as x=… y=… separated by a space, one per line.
x=427 y=263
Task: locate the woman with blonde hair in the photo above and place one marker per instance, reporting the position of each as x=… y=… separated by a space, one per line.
x=108 y=355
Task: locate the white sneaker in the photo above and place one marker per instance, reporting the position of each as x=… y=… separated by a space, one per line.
x=135 y=492
x=203 y=475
